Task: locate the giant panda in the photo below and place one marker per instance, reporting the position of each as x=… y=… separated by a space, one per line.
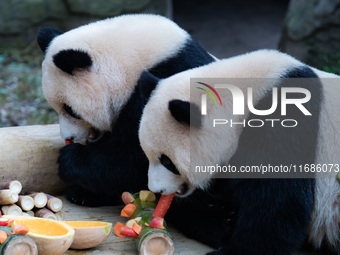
x=93 y=77
x=247 y=215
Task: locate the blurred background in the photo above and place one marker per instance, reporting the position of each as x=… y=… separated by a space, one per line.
x=307 y=29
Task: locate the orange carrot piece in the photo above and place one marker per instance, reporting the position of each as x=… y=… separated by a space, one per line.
x=163 y=205
x=136 y=228
x=19 y=230
x=126 y=231
x=3 y=236
x=10 y=222
x=128 y=210
x=117 y=229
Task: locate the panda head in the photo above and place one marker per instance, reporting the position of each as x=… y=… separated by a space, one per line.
x=164 y=133
x=89 y=73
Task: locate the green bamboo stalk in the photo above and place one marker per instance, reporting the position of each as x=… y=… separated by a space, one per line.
x=151 y=241
x=17 y=244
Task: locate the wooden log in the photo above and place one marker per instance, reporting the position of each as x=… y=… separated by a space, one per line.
x=26 y=203
x=14 y=186
x=45 y=213
x=11 y=210
x=60 y=215
x=30 y=213
x=26 y=214
x=29 y=154
x=8 y=197
x=40 y=199
x=53 y=203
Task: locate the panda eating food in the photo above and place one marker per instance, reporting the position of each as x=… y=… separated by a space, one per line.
x=266 y=215
x=98 y=78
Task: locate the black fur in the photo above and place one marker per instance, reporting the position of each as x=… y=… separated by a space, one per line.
x=186 y=113
x=69 y=60
x=192 y=55
x=45 y=36
x=271 y=215
x=117 y=163
x=84 y=166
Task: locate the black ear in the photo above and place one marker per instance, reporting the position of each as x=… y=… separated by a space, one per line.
x=146 y=84
x=181 y=111
x=45 y=36
x=69 y=60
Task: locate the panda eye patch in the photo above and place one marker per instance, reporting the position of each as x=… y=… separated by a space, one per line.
x=70 y=111
x=167 y=163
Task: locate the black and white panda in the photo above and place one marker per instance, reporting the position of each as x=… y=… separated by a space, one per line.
x=238 y=215
x=93 y=77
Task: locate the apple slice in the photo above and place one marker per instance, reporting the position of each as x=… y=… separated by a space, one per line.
x=147 y=196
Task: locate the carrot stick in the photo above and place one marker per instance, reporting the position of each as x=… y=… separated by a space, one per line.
x=67 y=142
x=163 y=205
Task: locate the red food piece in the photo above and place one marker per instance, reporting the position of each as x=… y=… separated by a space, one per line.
x=157 y=222
x=128 y=210
x=127 y=198
x=126 y=231
x=67 y=142
x=4 y=223
x=163 y=205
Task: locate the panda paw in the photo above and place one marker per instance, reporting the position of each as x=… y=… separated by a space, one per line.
x=81 y=196
x=217 y=252
x=71 y=162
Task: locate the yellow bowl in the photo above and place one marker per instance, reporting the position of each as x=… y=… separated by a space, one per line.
x=89 y=234
x=52 y=237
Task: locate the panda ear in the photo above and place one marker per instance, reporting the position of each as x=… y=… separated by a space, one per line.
x=69 y=60
x=186 y=113
x=146 y=84
x=45 y=36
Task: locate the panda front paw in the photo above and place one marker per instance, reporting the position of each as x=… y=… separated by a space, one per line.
x=81 y=196
x=220 y=251
x=217 y=252
x=71 y=159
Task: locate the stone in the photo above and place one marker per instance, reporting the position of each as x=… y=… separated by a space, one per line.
x=311 y=31
x=20 y=20
x=100 y=8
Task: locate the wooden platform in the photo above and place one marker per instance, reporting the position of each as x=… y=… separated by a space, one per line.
x=122 y=246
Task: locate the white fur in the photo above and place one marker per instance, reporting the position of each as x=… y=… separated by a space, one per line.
x=121 y=49
x=160 y=133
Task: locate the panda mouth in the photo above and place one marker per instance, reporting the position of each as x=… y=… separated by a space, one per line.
x=93 y=135
x=182 y=190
